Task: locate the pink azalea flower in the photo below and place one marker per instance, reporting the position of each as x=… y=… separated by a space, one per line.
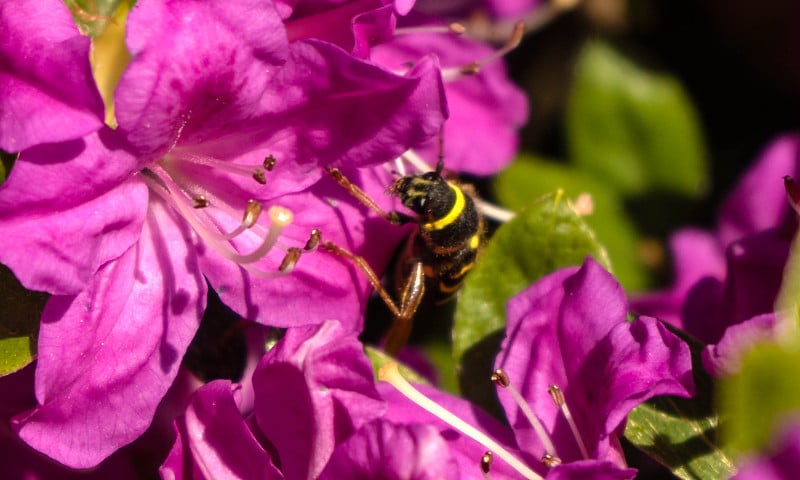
x=726 y=281
x=568 y=330
x=213 y=89
x=317 y=415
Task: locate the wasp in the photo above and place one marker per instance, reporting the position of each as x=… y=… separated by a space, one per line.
x=438 y=254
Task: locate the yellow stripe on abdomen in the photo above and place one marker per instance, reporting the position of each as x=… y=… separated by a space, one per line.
x=452 y=215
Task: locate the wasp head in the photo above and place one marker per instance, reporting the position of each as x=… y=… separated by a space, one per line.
x=428 y=195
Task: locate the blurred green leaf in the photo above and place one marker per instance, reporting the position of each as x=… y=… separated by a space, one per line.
x=529 y=178
x=682 y=433
x=540 y=239
x=634 y=127
x=20 y=310
x=758 y=399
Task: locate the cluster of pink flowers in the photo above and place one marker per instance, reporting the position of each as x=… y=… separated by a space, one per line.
x=213 y=180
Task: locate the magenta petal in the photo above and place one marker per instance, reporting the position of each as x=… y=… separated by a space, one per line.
x=57 y=247
x=755 y=273
x=49 y=94
x=108 y=355
x=393 y=112
x=570 y=329
x=485 y=111
x=382 y=449
x=320 y=279
x=313 y=390
x=725 y=357
x=215 y=442
x=590 y=470
x=466 y=451
x=691 y=304
x=759 y=200
x=198 y=70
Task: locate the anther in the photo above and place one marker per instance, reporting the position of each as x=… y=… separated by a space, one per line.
x=486 y=462
x=313 y=240
x=550 y=461
x=290 y=260
x=200 y=201
x=269 y=163
x=251 y=213
x=259 y=176
x=558 y=398
x=500 y=378
x=457 y=28
x=473 y=68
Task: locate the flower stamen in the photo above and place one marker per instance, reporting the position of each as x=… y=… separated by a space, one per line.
x=558 y=398
x=501 y=379
x=473 y=68
x=452 y=27
x=390 y=373
x=280 y=218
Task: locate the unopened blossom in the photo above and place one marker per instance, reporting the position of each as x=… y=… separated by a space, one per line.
x=727 y=280
x=127 y=226
x=568 y=333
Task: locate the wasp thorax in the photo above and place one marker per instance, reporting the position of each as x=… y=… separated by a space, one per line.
x=429 y=195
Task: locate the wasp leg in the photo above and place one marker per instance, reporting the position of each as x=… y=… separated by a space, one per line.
x=371 y=276
x=410 y=298
x=395 y=218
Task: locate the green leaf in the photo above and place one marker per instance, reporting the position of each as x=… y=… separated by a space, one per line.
x=634 y=127
x=682 y=433
x=529 y=178
x=758 y=399
x=546 y=236
x=20 y=310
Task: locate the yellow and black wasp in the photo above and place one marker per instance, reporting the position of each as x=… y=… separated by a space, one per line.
x=439 y=253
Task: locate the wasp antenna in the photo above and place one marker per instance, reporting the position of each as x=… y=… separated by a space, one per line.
x=440 y=161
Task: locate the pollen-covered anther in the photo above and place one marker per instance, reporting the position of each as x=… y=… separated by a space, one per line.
x=313 y=240
x=269 y=163
x=550 y=460
x=500 y=378
x=200 y=201
x=252 y=212
x=290 y=260
x=486 y=462
x=259 y=176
